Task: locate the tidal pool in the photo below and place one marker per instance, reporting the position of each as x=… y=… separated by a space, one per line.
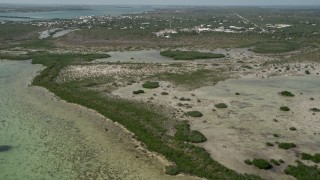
x=42 y=137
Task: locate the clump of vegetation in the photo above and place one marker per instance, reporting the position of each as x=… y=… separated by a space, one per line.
x=238 y=94
x=261 y=164
x=194 y=114
x=284 y=108
x=269 y=144
x=275 y=162
x=185 y=99
x=172 y=170
x=275 y=135
x=281 y=161
x=293 y=129
x=221 y=106
x=303 y=172
x=307 y=72
x=150 y=85
x=287 y=93
x=164 y=93
x=184 y=134
x=248 y=162
x=315 y=158
x=190 y=55
x=138 y=92
x=287 y=145
x=315 y=110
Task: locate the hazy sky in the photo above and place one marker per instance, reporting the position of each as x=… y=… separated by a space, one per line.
x=172 y=2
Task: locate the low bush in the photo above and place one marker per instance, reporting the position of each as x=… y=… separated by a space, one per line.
x=315 y=110
x=138 y=92
x=262 y=164
x=293 y=129
x=185 y=134
x=269 y=144
x=287 y=93
x=185 y=99
x=194 y=114
x=221 y=106
x=248 y=162
x=275 y=162
x=150 y=85
x=164 y=93
x=315 y=158
x=303 y=172
x=287 y=145
x=284 y=108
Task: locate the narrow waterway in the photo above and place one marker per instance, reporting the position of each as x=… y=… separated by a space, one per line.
x=42 y=137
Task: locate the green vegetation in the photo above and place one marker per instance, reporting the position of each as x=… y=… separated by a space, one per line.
x=315 y=110
x=190 y=55
x=275 y=47
x=172 y=170
x=284 y=108
x=307 y=72
x=303 y=172
x=148 y=124
x=150 y=85
x=184 y=134
x=275 y=162
x=281 y=161
x=293 y=129
x=315 y=158
x=248 y=162
x=138 y=92
x=261 y=164
x=286 y=145
x=194 y=114
x=164 y=93
x=269 y=144
x=287 y=93
x=275 y=135
x=221 y=106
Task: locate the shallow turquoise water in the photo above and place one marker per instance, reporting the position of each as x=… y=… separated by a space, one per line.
x=52 y=139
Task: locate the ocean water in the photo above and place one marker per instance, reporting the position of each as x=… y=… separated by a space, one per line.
x=69 y=14
x=42 y=137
